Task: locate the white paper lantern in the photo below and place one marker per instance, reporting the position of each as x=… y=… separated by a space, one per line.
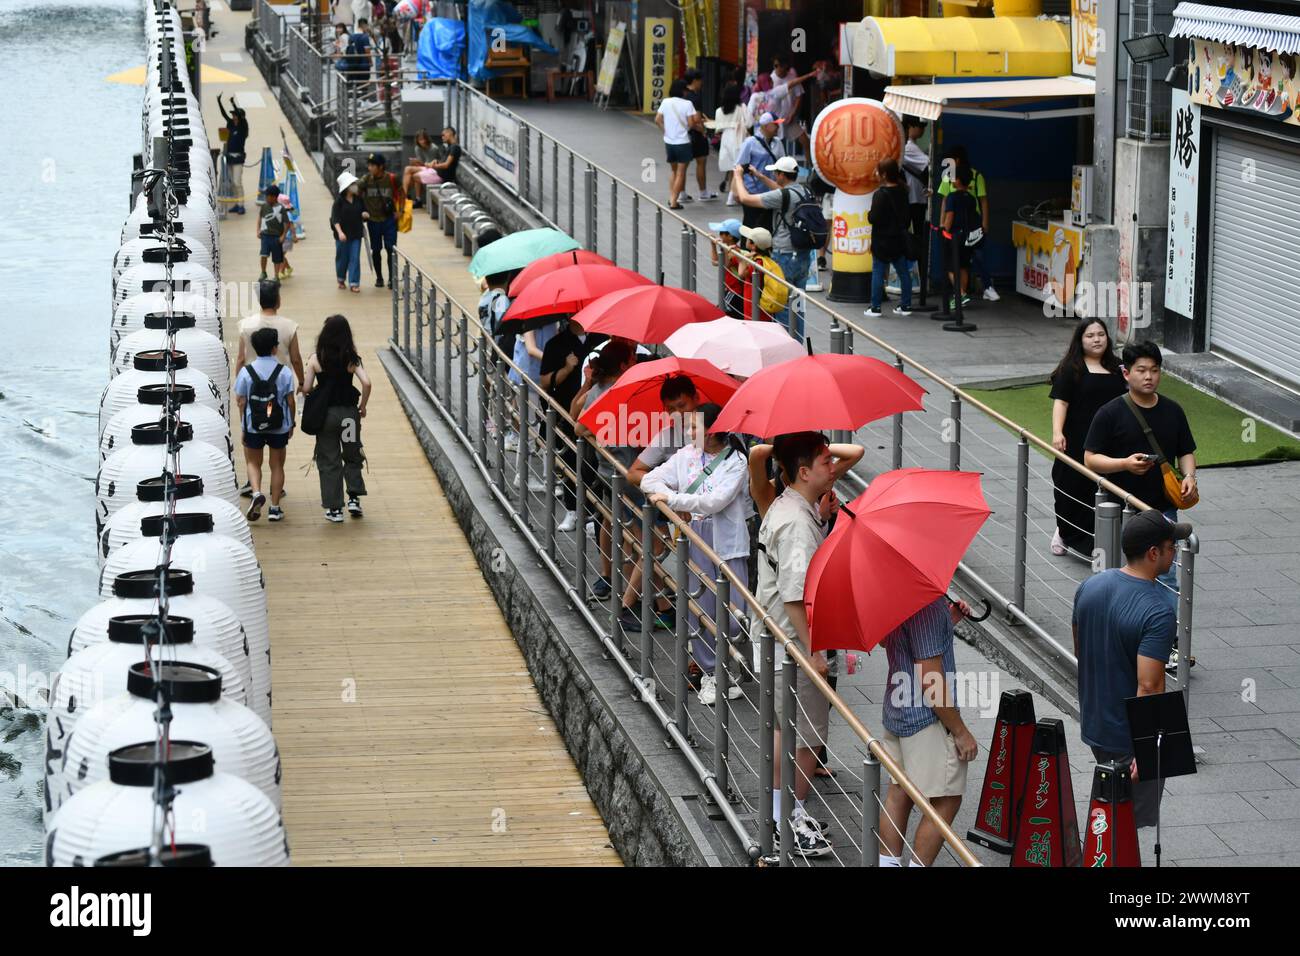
x=203 y=350
x=150 y=456
x=150 y=368
x=240 y=740
x=195 y=220
x=187 y=498
x=131 y=314
x=235 y=820
x=223 y=568
x=149 y=409
x=131 y=252
x=152 y=228
x=185 y=276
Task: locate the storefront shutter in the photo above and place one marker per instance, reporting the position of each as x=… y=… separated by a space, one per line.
x=1254 y=299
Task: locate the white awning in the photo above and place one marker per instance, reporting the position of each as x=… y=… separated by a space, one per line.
x=981 y=97
x=1277 y=32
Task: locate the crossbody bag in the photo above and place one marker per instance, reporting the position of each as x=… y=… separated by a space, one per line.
x=1172 y=479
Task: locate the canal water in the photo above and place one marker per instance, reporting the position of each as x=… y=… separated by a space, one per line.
x=66 y=142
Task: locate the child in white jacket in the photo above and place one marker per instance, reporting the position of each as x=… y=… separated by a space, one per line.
x=706 y=480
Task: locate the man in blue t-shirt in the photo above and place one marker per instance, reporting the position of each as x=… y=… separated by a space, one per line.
x=269 y=424
x=1123 y=634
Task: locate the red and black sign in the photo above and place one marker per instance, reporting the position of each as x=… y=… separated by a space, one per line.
x=1047 y=833
x=1112 y=838
x=1004 y=778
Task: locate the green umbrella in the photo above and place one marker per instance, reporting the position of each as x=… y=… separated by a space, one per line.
x=519 y=249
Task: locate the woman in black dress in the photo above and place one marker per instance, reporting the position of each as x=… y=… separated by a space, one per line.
x=1088 y=377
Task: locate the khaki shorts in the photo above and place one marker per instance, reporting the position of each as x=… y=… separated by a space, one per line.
x=929 y=758
x=813 y=713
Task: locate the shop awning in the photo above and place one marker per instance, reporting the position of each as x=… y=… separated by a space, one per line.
x=1262 y=31
x=989 y=98
x=960 y=46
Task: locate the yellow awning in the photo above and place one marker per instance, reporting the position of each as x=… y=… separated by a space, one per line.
x=989 y=97
x=960 y=46
x=207 y=74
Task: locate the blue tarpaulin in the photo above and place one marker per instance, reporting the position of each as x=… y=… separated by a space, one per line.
x=490 y=19
x=442 y=41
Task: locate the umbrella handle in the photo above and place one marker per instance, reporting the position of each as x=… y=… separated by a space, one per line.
x=988 y=609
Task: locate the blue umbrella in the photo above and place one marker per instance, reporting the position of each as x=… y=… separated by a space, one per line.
x=519 y=249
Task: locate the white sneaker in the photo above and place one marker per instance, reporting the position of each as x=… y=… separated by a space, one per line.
x=902 y=312
x=512 y=441
x=708 y=195
x=871 y=313
x=569 y=523
x=991 y=294
x=708 y=690
x=807 y=842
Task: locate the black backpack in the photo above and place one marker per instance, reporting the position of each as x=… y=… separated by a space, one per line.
x=807 y=224
x=264 y=411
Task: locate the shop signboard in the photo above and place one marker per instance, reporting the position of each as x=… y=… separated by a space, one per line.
x=493 y=139
x=658 y=65
x=1244 y=79
x=1047 y=262
x=1184 y=189
x=609 y=62
x=1083 y=37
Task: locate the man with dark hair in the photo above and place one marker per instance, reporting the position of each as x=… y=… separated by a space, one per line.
x=784 y=194
x=264 y=391
x=446 y=167
x=1123 y=635
x=979 y=191
x=790 y=534
x=272 y=220
x=268 y=297
x=1126 y=432
x=383 y=198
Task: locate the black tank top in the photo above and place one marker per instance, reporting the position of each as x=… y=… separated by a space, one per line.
x=343 y=392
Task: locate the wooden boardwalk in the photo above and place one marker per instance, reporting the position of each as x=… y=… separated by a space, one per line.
x=408 y=725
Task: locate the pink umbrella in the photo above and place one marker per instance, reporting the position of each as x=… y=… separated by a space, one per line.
x=738 y=348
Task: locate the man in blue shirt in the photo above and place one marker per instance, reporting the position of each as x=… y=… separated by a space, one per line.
x=924 y=732
x=264 y=389
x=760 y=151
x=1124 y=630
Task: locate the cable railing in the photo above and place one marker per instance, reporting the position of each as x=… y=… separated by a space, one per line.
x=272 y=24
x=313 y=73
x=1032 y=590
x=525 y=448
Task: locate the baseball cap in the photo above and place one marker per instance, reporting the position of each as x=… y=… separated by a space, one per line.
x=766 y=118
x=786 y=164
x=731 y=226
x=1149 y=529
x=376 y=158
x=758 y=235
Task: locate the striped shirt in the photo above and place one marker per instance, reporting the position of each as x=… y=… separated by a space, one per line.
x=926 y=634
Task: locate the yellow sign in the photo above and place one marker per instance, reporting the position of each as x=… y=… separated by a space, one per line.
x=1047 y=261
x=609 y=62
x=1083 y=37
x=658 y=69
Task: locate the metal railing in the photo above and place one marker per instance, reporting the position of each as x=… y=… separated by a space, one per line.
x=312 y=72
x=525 y=448
x=273 y=26
x=1009 y=563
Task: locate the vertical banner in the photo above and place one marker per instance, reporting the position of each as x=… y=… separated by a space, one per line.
x=849 y=140
x=751 y=44
x=1184 y=190
x=658 y=66
x=609 y=62
x=1083 y=37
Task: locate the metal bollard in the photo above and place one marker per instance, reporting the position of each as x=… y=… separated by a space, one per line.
x=837 y=348
x=659 y=245
x=580 y=552
x=525 y=178
x=722 y=679
x=1187 y=551
x=871 y=805
x=463 y=417
x=636 y=232
x=555 y=181
x=898 y=425
x=419 y=320
x=954 y=444
x=613 y=221
x=408 y=317
x=551 y=476
x=688 y=253
x=406 y=305
x=681 y=575
x=499 y=406
x=616 y=556
x=446 y=354
x=1022 y=525
x=429 y=316
x=572 y=195
x=1108 y=534
x=767 y=731
x=721 y=289
x=647 y=586
x=521 y=462
x=483 y=372
x=589 y=207
x=788 y=744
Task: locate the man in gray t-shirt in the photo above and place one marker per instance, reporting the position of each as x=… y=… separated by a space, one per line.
x=785 y=194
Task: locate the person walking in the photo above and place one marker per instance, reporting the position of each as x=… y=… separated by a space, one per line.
x=339 y=453
x=676 y=117
x=760 y=150
x=264 y=391
x=235 y=150
x=1134 y=437
x=783 y=194
x=705 y=482
x=286 y=329
x=383 y=197
x=272 y=221
x=923 y=729
x=732 y=122
x=1124 y=630
x=890 y=228
x=699 y=141
x=347 y=221
x=1087 y=377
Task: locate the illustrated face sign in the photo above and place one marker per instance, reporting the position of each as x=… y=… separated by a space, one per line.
x=1233 y=77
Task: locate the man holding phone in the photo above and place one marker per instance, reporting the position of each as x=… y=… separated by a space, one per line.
x=761 y=150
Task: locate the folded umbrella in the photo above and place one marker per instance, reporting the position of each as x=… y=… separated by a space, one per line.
x=631 y=412
x=818 y=392
x=567 y=290
x=737 y=347
x=645 y=313
x=551 y=263
x=892 y=551
x=518 y=250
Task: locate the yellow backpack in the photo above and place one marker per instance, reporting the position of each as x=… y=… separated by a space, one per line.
x=775 y=293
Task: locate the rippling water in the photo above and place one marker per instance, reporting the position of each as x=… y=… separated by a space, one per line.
x=66 y=142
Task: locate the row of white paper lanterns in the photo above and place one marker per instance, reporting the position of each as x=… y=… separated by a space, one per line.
x=101 y=733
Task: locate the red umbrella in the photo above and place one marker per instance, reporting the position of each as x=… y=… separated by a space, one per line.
x=892 y=551
x=646 y=313
x=815 y=392
x=631 y=412
x=551 y=263
x=567 y=290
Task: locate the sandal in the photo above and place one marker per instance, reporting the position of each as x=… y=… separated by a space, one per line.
x=824 y=771
x=341 y=284
x=356 y=289
x=676 y=206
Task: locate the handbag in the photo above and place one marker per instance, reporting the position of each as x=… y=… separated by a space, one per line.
x=314 y=408
x=1172 y=479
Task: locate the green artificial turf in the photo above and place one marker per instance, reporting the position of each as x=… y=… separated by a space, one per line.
x=1222 y=432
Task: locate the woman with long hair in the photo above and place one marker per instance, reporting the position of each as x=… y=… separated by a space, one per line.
x=417 y=172
x=338 y=455
x=732 y=122
x=1088 y=376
